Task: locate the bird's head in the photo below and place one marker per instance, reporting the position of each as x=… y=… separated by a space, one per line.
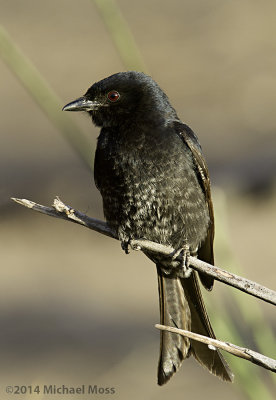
x=123 y=96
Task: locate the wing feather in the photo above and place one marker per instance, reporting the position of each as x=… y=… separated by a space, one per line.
x=205 y=252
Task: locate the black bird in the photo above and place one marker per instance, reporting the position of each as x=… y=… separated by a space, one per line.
x=155 y=185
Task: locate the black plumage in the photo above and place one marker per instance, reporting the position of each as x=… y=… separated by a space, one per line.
x=155 y=185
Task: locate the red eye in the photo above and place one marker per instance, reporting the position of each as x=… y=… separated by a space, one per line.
x=113 y=96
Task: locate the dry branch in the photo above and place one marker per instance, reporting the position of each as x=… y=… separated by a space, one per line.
x=60 y=210
x=242 y=352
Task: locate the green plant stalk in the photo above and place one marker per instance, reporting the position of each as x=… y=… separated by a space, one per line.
x=120 y=34
x=43 y=95
x=247 y=376
x=253 y=316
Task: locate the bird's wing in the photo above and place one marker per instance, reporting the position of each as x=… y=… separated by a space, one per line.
x=205 y=252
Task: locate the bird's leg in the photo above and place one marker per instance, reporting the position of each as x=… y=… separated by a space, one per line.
x=124 y=238
x=184 y=252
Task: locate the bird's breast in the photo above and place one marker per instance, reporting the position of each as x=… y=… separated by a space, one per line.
x=149 y=187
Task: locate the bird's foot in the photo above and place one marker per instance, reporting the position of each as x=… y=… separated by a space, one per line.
x=125 y=244
x=184 y=269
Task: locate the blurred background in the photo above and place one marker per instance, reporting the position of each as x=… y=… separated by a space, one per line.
x=73 y=308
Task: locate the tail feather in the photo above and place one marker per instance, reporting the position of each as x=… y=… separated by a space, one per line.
x=174 y=311
x=211 y=359
x=181 y=306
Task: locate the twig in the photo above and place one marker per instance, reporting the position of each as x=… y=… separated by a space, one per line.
x=242 y=352
x=60 y=210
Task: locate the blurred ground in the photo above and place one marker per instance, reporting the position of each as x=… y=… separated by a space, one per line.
x=73 y=308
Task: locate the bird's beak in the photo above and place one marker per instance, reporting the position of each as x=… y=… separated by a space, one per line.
x=81 y=104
